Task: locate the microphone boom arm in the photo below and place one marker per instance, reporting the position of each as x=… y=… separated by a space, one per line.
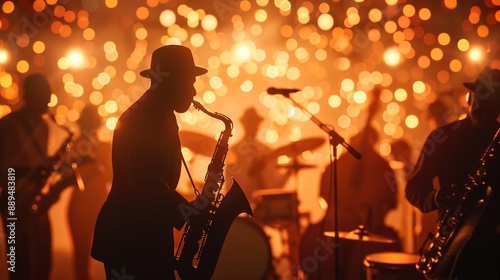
x=335 y=138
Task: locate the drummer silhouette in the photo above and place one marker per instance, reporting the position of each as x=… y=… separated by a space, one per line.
x=249 y=159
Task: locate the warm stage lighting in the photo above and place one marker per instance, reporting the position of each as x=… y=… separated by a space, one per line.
x=3 y=56
x=475 y=54
x=339 y=52
x=75 y=58
x=325 y=21
x=392 y=57
x=243 y=52
x=167 y=18
x=209 y=23
x=411 y=121
x=111 y=123
x=360 y=97
x=53 y=100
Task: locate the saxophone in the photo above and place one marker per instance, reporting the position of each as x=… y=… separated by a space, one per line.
x=60 y=170
x=204 y=235
x=454 y=227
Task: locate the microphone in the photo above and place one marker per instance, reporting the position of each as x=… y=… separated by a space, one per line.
x=283 y=91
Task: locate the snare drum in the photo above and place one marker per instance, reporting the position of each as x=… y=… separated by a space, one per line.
x=392 y=266
x=246 y=253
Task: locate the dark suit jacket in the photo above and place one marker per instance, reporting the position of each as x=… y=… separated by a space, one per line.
x=449 y=155
x=142 y=207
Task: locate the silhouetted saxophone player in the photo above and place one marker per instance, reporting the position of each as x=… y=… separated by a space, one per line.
x=133 y=234
x=458 y=175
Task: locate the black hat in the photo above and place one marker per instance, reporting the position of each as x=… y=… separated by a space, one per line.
x=172 y=58
x=488 y=79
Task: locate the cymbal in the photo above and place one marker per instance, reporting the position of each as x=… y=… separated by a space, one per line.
x=342 y=234
x=198 y=143
x=295 y=165
x=296 y=148
x=361 y=234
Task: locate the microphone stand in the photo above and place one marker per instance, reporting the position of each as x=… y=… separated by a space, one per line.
x=335 y=140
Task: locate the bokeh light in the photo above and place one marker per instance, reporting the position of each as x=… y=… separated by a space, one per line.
x=325 y=21
x=475 y=54
x=392 y=57
x=167 y=18
x=75 y=59
x=336 y=53
x=4 y=56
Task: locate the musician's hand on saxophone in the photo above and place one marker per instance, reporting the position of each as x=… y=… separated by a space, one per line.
x=447 y=198
x=199 y=214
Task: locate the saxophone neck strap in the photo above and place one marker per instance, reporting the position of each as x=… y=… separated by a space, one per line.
x=196 y=192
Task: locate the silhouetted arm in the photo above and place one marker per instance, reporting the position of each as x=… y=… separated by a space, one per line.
x=420 y=190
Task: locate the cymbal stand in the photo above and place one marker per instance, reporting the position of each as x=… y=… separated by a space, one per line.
x=295 y=170
x=335 y=140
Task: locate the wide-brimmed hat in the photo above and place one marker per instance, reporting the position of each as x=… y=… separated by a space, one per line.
x=171 y=59
x=488 y=79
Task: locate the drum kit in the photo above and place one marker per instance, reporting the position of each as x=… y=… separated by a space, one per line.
x=278 y=208
x=382 y=265
x=361 y=234
x=392 y=266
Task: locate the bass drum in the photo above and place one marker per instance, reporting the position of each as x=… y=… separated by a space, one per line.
x=392 y=266
x=246 y=253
